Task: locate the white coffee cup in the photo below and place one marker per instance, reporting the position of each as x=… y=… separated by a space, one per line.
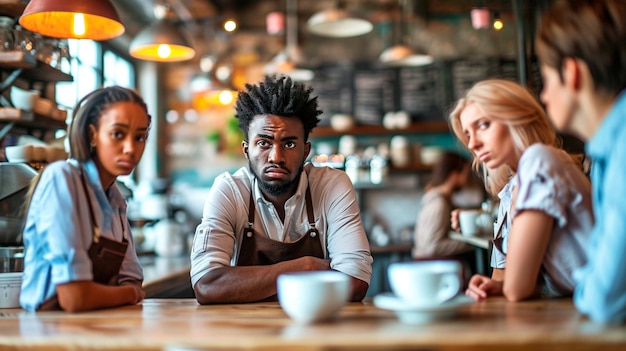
x=470 y=222
x=425 y=283
x=315 y=296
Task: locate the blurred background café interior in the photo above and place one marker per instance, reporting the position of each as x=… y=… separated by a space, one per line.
x=386 y=73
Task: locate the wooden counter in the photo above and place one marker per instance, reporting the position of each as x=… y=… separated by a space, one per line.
x=177 y=324
x=166 y=276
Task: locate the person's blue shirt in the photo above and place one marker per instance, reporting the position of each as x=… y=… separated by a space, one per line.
x=58 y=231
x=601 y=285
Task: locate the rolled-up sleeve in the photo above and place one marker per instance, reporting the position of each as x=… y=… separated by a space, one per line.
x=214 y=241
x=540 y=185
x=348 y=247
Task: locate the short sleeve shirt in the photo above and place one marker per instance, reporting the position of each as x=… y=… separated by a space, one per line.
x=549 y=180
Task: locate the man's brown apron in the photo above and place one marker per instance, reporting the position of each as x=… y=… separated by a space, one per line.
x=258 y=250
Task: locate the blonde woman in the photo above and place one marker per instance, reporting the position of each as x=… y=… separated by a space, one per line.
x=545 y=214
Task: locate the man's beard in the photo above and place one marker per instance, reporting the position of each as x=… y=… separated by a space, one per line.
x=272 y=188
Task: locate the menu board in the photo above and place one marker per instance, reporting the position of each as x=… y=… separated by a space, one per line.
x=333 y=87
x=374 y=94
x=368 y=91
x=422 y=92
x=467 y=72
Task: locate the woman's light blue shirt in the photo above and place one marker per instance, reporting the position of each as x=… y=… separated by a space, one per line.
x=58 y=231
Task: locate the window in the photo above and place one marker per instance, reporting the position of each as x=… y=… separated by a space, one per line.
x=118 y=71
x=93 y=67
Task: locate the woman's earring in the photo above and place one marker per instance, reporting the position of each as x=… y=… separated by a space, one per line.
x=92 y=146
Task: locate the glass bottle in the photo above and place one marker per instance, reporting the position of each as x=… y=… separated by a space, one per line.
x=378 y=169
x=353 y=163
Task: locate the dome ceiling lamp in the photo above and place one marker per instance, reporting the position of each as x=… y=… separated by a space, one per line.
x=338 y=23
x=402 y=54
x=284 y=63
x=162 y=41
x=72 y=19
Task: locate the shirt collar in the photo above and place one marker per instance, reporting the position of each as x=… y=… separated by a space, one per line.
x=601 y=142
x=93 y=177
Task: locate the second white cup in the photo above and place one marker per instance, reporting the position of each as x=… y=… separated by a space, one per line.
x=425 y=283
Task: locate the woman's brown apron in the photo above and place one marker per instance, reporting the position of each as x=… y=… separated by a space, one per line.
x=106 y=256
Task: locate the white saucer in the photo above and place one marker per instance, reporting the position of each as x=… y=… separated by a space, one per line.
x=420 y=314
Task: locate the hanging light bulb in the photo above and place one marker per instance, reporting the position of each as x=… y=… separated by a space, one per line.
x=79 y=24
x=498 y=24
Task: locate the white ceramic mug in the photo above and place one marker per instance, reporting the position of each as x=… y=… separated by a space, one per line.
x=470 y=222
x=313 y=296
x=425 y=283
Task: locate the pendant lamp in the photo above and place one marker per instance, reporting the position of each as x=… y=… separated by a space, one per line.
x=337 y=23
x=284 y=63
x=72 y=19
x=162 y=41
x=402 y=54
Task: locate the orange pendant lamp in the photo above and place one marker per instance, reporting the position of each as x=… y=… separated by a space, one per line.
x=72 y=19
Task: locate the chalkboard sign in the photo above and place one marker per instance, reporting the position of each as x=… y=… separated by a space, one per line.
x=467 y=72
x=374 y=94
x=422 y=92
x=333 y=87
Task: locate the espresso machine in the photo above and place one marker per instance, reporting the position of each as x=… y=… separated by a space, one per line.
x=15 y=179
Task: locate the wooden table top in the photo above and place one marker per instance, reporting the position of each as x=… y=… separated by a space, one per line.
x=182 y=324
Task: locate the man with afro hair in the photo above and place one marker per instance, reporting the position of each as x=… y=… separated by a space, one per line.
x=279 y=214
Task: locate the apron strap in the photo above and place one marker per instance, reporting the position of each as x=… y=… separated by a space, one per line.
x=498 y=239
x=96 y=230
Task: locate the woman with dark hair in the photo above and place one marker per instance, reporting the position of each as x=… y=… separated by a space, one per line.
x=79 y=250
x=433 y=222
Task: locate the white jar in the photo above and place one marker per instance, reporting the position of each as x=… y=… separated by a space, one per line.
x=400 y=151
x=378 y=169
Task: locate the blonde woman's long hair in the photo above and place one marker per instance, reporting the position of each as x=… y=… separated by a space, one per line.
x=513 y=105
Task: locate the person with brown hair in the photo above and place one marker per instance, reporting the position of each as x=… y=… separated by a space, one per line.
x=581 y=46
x=430 y=237
x=544 y=216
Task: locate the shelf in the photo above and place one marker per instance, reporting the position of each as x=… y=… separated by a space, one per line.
x=32 y=69
x=29 y=121
x=12 y=8
x=421 y=127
